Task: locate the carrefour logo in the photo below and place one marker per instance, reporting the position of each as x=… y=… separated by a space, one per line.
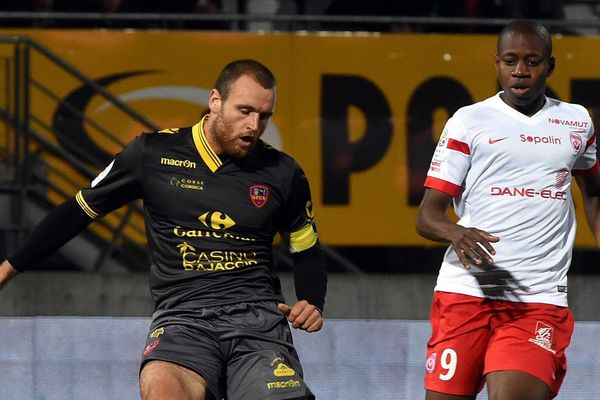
x=216 y=220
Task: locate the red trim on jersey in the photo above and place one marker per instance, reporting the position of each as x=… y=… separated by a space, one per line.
x=442 y=185
x=589 y=171
x=590 y=141
x=463 y=147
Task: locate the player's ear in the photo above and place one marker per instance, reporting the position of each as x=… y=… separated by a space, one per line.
x=214 y=100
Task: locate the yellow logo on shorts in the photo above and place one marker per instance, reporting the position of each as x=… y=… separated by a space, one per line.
x=157 y=332
x=283 y=370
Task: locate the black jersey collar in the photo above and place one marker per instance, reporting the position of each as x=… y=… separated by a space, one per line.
x=210 y=158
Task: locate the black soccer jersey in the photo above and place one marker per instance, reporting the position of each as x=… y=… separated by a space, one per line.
x=210 y=219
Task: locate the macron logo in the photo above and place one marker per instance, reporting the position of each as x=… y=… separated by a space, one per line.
x=492 y=141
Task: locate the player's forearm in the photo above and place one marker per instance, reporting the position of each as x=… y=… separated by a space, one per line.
x=435 y=225
x=6 y=273
x=432 y=221
x=310 y=276
x=56 y=229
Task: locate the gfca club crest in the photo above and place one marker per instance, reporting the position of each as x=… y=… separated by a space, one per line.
x=259 y=195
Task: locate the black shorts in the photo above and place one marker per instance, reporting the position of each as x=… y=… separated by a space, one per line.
x=244 y=351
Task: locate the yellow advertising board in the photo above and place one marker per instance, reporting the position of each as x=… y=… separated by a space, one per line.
x=360 y=113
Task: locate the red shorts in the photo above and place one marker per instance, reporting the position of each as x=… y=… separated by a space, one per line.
x=473 y=336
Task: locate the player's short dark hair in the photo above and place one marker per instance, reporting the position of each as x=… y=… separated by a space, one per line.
x=232 y=71
x=527 y=26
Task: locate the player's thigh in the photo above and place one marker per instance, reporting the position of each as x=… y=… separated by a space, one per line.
x=530 y=348
x=191 y=346
x=267 y=374
x=164 y=380
x=455 y=366
x=263 y=363
x=457 y=346
x=515 y=385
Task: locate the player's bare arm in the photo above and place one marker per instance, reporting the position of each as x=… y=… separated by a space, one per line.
x=303 y=315
x=6 y=272
x=590 y=191
x=471 y=245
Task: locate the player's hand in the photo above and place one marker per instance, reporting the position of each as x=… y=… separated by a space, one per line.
x=473 y=245
x=303 y=315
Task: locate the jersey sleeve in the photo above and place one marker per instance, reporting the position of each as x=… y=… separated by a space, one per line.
x=297 y=223
x=588 y=163
x=118 y=184
x=451 y=159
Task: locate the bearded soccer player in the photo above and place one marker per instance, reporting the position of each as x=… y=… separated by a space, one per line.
x=499 y=314
x=220 y=327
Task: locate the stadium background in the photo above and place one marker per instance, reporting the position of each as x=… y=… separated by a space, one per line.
x=360 y=111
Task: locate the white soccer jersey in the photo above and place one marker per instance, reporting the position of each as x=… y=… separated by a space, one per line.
x=511 y=176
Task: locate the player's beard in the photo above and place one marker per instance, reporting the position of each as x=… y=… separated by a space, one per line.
x=228 y=139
